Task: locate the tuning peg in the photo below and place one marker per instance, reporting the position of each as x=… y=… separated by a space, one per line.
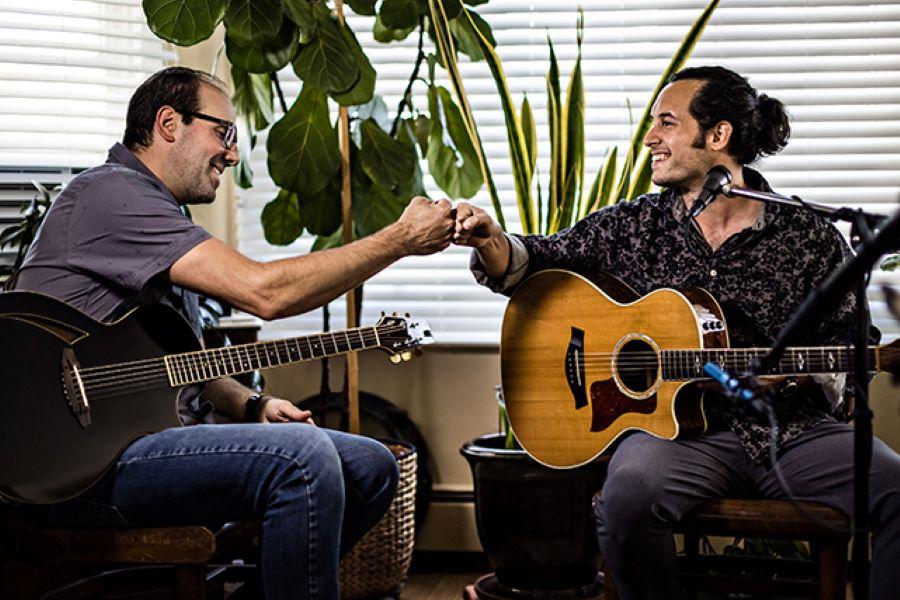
x=395 y=358
x=407 y=315
x=382 y=313
x=394 y=314
x=406 y=355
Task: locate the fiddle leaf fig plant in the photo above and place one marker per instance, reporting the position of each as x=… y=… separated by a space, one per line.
x=262 y=37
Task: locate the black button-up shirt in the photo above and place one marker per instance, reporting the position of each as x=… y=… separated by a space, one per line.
x=759 y=276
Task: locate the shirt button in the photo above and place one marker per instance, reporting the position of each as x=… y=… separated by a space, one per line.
x=713 y=273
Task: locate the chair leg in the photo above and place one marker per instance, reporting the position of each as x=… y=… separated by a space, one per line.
x=190 y=582
x=831 y=557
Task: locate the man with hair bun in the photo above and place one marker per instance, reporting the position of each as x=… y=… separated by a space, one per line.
x=759 y=261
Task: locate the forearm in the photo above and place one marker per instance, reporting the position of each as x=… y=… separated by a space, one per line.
x=299 y=284
x=228 y=396
x=494 y=255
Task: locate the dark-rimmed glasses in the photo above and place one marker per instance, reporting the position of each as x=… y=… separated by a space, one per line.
x=228 y=138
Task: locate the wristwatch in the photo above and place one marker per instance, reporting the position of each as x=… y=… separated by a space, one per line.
x=253 y=407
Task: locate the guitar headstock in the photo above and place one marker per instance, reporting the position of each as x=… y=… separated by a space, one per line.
x=403 y=337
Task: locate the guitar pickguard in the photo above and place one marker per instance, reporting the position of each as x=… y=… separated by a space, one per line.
x=608 y=404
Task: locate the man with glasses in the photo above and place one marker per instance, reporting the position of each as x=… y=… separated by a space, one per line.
x=116 y=238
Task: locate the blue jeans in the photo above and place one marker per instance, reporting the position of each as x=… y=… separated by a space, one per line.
x=317 y=492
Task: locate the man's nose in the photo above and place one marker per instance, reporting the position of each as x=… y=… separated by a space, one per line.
x=232 y=156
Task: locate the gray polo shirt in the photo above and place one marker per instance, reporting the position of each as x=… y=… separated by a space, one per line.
x=108 y=240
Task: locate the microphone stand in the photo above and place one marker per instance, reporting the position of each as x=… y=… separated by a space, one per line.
x=822 y=300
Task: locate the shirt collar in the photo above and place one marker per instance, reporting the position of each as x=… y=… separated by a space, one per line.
x=752 y=178
x=120 y=155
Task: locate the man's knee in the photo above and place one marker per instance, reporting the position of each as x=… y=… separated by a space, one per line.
x=630 y=495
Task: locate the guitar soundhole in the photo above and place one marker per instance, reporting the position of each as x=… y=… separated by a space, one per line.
x=637 y=365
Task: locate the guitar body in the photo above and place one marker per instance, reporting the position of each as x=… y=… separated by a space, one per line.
x=46 y=454
x=577 y=363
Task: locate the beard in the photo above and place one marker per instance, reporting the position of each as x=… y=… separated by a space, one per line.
x=194 y=177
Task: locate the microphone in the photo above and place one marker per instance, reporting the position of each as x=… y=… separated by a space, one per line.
x=716 y=178
x=734 y=389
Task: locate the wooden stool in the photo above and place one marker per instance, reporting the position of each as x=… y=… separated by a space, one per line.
x=188 y=562
x=825 y=577
x=826 y=529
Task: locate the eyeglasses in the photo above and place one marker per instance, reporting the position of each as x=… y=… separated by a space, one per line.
x=228 y=138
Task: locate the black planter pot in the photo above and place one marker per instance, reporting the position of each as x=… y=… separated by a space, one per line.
x=535 y=523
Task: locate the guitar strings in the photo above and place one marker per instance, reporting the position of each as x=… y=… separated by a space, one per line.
x=122 y=374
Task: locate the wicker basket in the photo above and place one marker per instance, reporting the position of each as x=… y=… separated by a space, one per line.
x=378 y=563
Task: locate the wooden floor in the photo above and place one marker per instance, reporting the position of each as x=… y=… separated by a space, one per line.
x=437 y=586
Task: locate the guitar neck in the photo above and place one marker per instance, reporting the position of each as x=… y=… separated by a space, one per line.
x=205 y=365
x=688 y=364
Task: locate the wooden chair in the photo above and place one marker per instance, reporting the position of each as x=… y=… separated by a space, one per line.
x=825 y=577
x=187 y=563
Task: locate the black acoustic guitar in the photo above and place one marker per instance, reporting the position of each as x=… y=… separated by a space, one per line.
x=76 y=392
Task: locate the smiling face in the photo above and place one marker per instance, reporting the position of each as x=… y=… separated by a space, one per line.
x=199 y=157
x=680 y=153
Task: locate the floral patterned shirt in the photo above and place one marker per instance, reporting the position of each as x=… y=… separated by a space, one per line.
x=759 y=276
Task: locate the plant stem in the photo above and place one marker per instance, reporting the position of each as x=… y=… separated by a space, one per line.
x=274 y=77
x=404 y=101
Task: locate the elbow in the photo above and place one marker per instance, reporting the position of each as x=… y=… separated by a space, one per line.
x=263 y=297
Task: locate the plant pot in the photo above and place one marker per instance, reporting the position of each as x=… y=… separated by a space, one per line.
x=535 y=523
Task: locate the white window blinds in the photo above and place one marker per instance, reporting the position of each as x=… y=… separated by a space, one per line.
x=835 y=64
x=67 y=70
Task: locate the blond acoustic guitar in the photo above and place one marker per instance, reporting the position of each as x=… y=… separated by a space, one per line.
x=584 y=363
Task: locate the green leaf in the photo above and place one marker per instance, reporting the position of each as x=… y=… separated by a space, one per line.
x=386 y=35
x=467 y=42
x=475 y=2
x=452 y=8
x=183 y=22
x=444 y=41
x=386 y=160
x=281 y=219
x=375 y=208
x=243 y=173
x=416 y=185
x=302 y=147
x=452 y=160
x=573 y=123
x=265 y=55
x=891 y=263
x=327 y=62
x=321 y=212
x=300 y=12
x=249 y=21
x=362 y=7
x=253 y=97
x=601 y=191
x=642 y=177
x=529 y=132
x=421 y=127
x=364 y=89
x=323 y=242
x=399 y=14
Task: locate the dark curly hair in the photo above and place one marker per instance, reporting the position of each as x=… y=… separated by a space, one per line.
x=760 y=124
x=178 y=87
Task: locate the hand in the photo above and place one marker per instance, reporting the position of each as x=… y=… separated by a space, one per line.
x=426 y=226
x=276 y=410
x=474 y=227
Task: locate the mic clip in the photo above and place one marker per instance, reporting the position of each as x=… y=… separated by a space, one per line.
x=747 y=393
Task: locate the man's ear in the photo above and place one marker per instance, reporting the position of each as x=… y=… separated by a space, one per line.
x=166 y=124
x=719 y=135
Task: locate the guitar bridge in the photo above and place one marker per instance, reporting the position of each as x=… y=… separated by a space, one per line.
x=74 y=388
x=575 y=368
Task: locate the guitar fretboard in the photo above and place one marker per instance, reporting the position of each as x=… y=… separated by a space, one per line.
x=688 y=364
x=205 y=365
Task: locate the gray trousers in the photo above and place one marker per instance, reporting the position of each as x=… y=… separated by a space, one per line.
x=653 y=483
